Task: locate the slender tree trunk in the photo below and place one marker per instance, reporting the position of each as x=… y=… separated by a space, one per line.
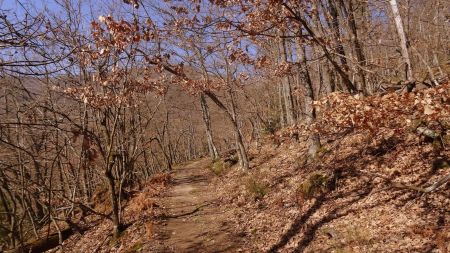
x=358 y=47
x=327 y=85
x=287 y=93
x=204 y=105
x=281 y=105
x=114 y=202
x=243 y=158
x=209 y=137
x=437 y=64
x=310 y=112
x=109 y=164
x=337 y=34
x=327 y=52
x=402 y=36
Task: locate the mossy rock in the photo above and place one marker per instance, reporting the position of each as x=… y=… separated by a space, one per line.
x=440 y=164
x=322 y=150
x=446 y=140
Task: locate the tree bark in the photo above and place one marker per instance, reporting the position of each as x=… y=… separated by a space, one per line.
x=207 y=121
x=281 y=105
x=403 y=41
x=310 y=112
x=337 y=34
x=111 y=180
x=327 y=52
x=358 y=47
x=114 y=202
x=287 y=92
x=243 y=158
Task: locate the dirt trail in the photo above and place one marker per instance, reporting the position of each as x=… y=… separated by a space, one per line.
x=195 y=221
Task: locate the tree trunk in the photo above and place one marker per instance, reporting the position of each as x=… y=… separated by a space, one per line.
x=111 y=180
x=337 y=34
x=358 y=47
x=243 y=158
x=114 y=202
x=402 y=36
x=327 y=52
x=310 y=112
x=287 y=93
x=281 y=105
x=209 y=137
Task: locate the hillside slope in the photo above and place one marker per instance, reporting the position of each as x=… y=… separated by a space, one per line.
x=364 y=192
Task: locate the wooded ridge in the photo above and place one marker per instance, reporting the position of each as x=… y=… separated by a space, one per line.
x=306 y=108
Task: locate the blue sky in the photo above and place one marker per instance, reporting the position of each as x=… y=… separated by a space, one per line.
x=90 y=9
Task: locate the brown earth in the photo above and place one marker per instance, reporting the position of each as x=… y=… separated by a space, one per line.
x=194 y=220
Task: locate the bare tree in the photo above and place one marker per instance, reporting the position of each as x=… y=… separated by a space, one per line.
x=403 y=42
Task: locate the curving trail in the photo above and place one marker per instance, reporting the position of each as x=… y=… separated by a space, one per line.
x=194 y=221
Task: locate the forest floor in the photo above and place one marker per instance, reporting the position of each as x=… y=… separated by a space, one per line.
x=194 y=220
x=180 y=214
x=262 y=210
x=350 y=198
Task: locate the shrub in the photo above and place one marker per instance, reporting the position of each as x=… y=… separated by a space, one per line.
x=350 y=238
x=218 y=166
x=135 y=248
x=315 y=184
x=160 y=178
x=272 y=125
x=257 y=188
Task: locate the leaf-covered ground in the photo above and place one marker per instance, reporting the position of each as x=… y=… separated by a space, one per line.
x=184 y=216
x=358 y=195
x=352 y=197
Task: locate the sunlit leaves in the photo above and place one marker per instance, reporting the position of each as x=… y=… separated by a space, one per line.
x=340 y=112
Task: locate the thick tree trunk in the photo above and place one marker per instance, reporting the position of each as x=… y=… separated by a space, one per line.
x=403 y=41
x=209 y=137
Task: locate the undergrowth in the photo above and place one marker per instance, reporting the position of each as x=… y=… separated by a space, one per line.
x=315 y=184
x=257 y=188
x=220 y=166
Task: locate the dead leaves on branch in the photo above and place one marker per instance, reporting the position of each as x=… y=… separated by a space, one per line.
x=112 y=82
x=400 y=112
x=425 y=113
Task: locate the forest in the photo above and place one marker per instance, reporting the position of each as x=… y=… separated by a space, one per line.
x=224 y=126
